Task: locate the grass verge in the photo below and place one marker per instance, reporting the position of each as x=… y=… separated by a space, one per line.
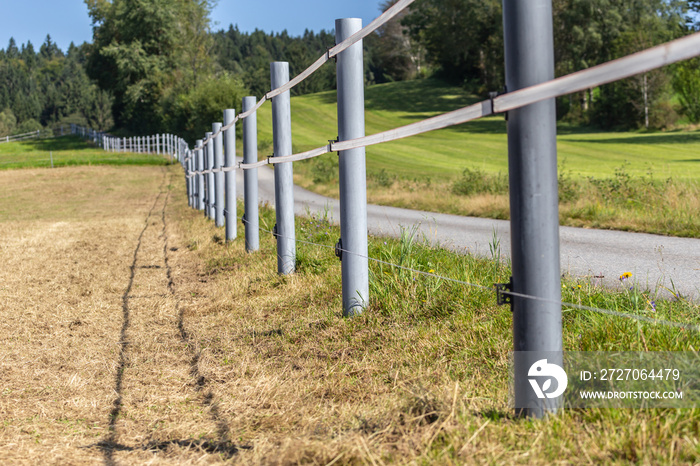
x=133 y=334
x=422 y=376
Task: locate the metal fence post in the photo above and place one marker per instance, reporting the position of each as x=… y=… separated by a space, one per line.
x=199 y=166
x=219 y=175
x=211 y=190
x=230 y=176
x=284 y=181
x=250 y=177
x=205 y=160
x=193 y=186
x=188 y=183
x=532 y=168
x=352 y=173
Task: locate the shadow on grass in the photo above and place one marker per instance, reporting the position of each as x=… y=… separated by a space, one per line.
x=61 y=143
x=419 y=96
x=224 y=448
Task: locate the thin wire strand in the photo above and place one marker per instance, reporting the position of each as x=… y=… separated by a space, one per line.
x=668 y=323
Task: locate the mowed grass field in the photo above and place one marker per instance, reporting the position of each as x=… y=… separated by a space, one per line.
x=67 y=151
x=482 y=143
x=630 y=181
x=133 y=334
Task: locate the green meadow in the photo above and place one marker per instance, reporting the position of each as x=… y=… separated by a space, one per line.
x=638 y=181
x=67 y=151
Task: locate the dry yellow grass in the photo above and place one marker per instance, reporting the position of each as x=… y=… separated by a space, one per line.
x=131 y=335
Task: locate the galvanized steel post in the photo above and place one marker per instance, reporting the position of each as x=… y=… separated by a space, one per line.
x=199 y=166
x=188 y=183
x=211 y=182
x=205 y=156
x=230 y=176
x=352 y=173
x=284 y=181
x=219 y=175
x=532 y=168
x=193 y=185
x=250 y=177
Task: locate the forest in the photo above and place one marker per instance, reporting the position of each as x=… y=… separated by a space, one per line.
x=157 y=65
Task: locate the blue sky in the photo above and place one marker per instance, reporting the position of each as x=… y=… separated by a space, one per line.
x=67 y=20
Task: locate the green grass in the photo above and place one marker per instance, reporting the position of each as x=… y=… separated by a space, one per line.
x=423 y=374
x=67 y=151
x=482 y=144
x=635 y=181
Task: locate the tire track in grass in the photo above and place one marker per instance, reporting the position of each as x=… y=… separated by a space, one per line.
x=223 y=445
x=136 y=333
x=110 y=444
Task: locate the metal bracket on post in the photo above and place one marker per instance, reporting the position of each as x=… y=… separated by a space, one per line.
x=502 y=297
x=274 y=231
x=493 y=95
x=339 y=249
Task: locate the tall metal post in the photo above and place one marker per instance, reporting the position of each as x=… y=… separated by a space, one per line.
x=230 y=176
x=188 y=183
x=191 y=179
x=532 y=168
x=199 y=166
x=284 y=181
x=250 y=177
x=218 y=176
x=205 y=159
x=352 y=172
x=211 y=182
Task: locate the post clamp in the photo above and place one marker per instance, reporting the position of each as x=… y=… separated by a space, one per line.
x=339 y=249
x=502 y=297
x=493 y=95
x=274 y=231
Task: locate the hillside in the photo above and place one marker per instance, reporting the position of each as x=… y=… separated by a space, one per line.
x=639 y=181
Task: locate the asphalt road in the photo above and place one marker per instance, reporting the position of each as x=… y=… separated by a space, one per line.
x=655 y=261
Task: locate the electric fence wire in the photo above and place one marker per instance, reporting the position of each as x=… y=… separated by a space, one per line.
x=640 y=62
x=650 y=320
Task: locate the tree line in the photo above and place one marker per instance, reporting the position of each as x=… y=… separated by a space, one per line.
x=46 y=87
x=156 y=65
x=462 y=41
